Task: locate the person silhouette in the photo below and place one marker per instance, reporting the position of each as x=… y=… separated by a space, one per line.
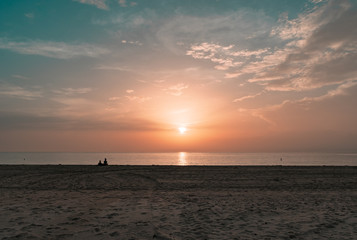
x=100 y=163
x=105 y=162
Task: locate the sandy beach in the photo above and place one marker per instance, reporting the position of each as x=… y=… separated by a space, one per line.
x=171 y=202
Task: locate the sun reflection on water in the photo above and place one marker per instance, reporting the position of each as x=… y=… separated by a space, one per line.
x=182 y=159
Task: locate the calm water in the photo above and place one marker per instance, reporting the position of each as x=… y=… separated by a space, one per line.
x=182 y=158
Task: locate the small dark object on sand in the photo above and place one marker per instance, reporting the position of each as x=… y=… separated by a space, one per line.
x=105 y=163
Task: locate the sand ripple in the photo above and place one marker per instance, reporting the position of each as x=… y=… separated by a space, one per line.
x=152 y=202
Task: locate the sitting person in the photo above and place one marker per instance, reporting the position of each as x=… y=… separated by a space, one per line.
x=105 y=162
x=100 y=163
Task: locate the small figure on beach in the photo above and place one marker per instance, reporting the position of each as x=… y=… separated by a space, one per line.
x=105 y=163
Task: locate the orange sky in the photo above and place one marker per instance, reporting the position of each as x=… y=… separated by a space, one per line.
x=240 y=76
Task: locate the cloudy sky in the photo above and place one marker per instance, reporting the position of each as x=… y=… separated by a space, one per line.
x=124 y=75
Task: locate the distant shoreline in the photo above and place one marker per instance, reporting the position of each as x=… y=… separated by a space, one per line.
x=182 y=158
x=186 y=166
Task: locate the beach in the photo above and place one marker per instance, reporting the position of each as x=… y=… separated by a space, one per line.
x=177 y=202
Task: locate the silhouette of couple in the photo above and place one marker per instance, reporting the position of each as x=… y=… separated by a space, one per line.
x=105 y=163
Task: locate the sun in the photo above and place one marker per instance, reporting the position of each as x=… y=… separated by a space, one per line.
x=182 y=130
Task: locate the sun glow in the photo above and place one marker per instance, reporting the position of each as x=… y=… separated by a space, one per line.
x=182 y=158
x=182 y=130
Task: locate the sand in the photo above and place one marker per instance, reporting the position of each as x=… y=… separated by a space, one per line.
x=168 y=202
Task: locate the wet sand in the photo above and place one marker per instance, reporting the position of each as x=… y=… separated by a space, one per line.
x=171 y=202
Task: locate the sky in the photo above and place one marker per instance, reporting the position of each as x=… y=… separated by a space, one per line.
x=188 y=75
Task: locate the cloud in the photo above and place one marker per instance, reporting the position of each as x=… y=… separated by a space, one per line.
x=114 y=98
x=328 y=101
x=101 y=4
x=138 y=99
x=176 y=90
x=15 y=120
x=113 y=68
x=225 y=56
x=31 y=121
x=137 y=43
x=19 y=92
x=323 y=50
x=72 y=91
x=248 y=97
x=327 y=121
x=246 y=27
x=340 y=90
x=122 y=3
x=316 y=49
x=138 y=24
x=59 y=50
x=131 y=97
x=72 y=104
x=20 y=77
x=30 y=15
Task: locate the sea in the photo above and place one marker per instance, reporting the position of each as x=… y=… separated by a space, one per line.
x=181 y=158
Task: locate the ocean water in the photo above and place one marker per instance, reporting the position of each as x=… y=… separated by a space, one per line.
x=182 y=158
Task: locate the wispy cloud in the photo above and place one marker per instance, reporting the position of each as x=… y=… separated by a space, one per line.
x=20 y=77
x=125 y=3
x=340 y=90
x=131 y=42
x=19 y=92
x=113 y=68
x=74 y=106
x=131 y=21
x=72 y=91
x=176 y=90
x=325 y=113
x=101 y=4
x=18 y=120
x=29 y=15
x=248 y=97
x=317 y=1
x=236 y=26
x=322 y=50
x=114 y=98
x=131 y=97
x=138 y=99
x=225 y=56
x=59 y=50
x=122 y=3
x=316 y=49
